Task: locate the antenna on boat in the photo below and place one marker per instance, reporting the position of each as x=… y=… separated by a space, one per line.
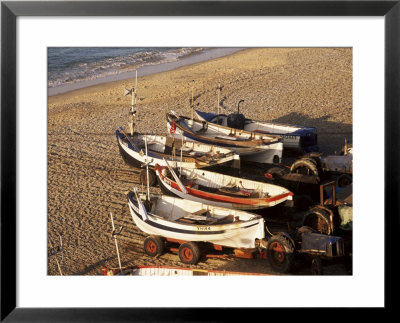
x=135 y=86
x=132 y=112
x=114 y=234
x=55 y=251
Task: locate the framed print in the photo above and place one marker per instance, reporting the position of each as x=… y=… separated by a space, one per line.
x=355 y=43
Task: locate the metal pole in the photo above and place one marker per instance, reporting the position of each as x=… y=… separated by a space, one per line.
x=219 y=90
x=116 y=242
x=55 y=254
x=147 y=168
x=192 y=100
x=181 y=155
x=135 y=86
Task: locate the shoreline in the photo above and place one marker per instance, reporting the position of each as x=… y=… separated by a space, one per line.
x=194 y=58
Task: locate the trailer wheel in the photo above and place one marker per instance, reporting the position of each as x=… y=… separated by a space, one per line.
x=319 y=220
x=316 y=266
x=189 y=253
x=344 y=180
x=305 y=166
x=153 y=246
x=152 y=177
x=280 y=253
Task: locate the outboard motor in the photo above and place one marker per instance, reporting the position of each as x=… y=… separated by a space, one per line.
x=236 y=120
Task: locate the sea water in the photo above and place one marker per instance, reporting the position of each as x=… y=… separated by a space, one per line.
x=75 y=64
x=71 y=68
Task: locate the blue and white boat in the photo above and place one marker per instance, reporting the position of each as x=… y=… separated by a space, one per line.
x=294 y=137
x=251 y=146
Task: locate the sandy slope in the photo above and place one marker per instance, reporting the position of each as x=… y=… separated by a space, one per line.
x=87 y=178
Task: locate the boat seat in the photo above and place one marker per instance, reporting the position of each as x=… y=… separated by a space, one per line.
x=225 y=220
x=235 y=191
x=200 y=212
x=185 y=220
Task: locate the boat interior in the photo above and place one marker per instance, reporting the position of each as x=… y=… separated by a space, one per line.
x=190 y=212
x=167 y=146
x=220 y=186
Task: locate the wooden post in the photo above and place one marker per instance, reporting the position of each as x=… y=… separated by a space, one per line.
x=115 y=240
x=53 y=252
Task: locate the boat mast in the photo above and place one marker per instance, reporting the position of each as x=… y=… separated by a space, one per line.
x=219 y=88
x=147 y=168
x=218 y=93
x=181 y=155
x=132 y=112
x=192 y=99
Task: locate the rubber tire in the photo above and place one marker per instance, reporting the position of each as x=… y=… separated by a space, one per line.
x=143 y=177
x=280 y=254
x=344 y=180
x=319 y=220
x=154 y=246
x=316 y=266
x=305 y=166
x=276 y=172
x=189 y=253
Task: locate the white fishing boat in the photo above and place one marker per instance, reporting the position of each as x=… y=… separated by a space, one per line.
x=251 y=146
x=294 y=137
x=185 y=220
x=171 y=271
x=187 y=154
x=219 y=189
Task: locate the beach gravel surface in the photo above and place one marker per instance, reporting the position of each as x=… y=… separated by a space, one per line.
x=88 y=179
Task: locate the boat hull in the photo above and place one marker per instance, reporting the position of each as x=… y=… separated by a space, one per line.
x=137 y=158
x=263 y=151
x=203 y=196
x=172 y=271
x=294 y=137
x=233 y=235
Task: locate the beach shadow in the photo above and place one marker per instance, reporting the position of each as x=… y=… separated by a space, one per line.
x=94 y=267
x=331 y=135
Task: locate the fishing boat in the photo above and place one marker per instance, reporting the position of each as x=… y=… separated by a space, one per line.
x=185 y=220
x=187 y=154
x=171 y=271
x=219 y=189
x=294 y=137
x=251 y=146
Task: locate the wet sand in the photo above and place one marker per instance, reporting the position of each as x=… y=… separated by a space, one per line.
x=87 y=178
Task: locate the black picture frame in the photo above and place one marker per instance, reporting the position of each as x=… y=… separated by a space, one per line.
x=10 y=10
